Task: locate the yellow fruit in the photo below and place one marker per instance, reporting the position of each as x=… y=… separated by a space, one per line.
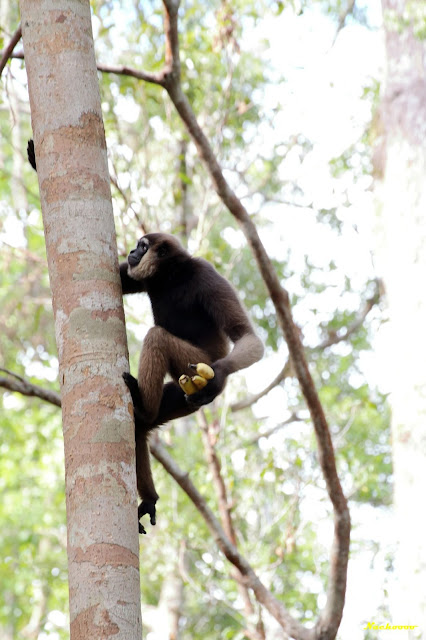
x=199 y=382
x=187 y=385
x=203 y=370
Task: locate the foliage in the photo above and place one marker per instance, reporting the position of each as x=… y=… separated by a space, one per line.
x=159 y=182
x=32 y=512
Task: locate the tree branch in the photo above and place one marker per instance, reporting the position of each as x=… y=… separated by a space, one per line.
x=334 y=338
x=209 y=433
x=114 y=181
x=249 y=400
x=348 y=11
x=16 y=383
x=123 y=70
x=265 y=434
x=7 y=53
x=119 y=70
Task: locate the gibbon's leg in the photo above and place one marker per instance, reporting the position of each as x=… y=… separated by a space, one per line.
x=154 y=404
x=173 y=405
x=164 y=353
x=144 y=479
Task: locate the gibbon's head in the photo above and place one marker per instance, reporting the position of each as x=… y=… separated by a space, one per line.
x=154 y=253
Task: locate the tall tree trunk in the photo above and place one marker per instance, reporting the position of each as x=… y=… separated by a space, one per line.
x=90 y=330
x=402 y=190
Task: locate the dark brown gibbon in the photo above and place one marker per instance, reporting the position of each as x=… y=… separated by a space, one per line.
x=197 y=315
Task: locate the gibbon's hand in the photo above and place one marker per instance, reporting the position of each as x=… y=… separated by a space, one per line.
x=213 y=388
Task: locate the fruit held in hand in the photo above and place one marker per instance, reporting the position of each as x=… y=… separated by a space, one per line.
x=187 y=385
x=197 y=382
x=203 y=370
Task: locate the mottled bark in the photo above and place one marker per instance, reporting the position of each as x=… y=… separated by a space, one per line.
x=89 y=320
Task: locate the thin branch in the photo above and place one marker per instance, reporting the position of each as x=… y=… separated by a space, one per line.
x=123 y=70
x=119 y=70
x=342 y=20
x=209 y=432
x=114 y=182
x=250 y=400
x=29 y=255
x=265 y=434
x=16 y=55
x=172 y=65
x=7 y=53
x=334 y=338
x=13 y=382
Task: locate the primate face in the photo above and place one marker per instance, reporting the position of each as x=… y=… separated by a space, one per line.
x=142 y=262
x=151 y=252
x=136 y=255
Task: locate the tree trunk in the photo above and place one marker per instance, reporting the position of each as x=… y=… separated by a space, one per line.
x=90 y=330
x=402 y=191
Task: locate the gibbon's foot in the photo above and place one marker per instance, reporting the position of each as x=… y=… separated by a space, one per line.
x=146 y=506
x=138 y=408
x=133 y=387
x=199 y=399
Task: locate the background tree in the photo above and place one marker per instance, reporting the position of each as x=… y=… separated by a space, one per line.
x=401 y=185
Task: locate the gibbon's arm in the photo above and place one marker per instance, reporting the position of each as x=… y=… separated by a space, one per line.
x=248 y=348
x=128 y=284
x=221 y=302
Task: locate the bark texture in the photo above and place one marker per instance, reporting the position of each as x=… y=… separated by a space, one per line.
x=89 y=319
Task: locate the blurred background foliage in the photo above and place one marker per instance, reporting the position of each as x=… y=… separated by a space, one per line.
x=277 y=494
